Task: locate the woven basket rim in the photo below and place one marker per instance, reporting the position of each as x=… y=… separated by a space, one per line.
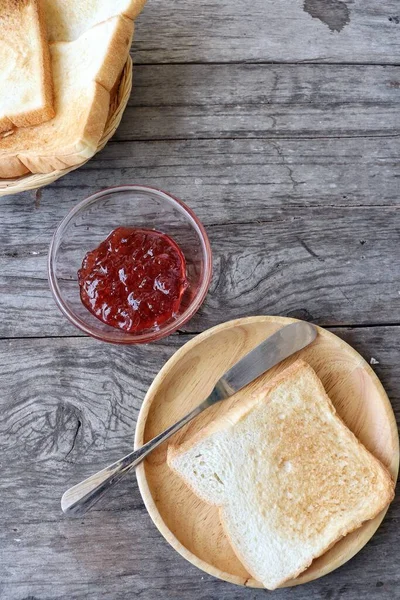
x=34 y=181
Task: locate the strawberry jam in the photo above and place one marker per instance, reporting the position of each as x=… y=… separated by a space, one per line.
x=134 y=280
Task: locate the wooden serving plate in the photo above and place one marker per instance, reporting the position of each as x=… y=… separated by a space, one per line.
x=191 y=526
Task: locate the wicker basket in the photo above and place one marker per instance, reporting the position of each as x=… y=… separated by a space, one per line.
x=31 y=182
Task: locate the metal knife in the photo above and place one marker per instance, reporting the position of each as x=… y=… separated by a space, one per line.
x=286 y=341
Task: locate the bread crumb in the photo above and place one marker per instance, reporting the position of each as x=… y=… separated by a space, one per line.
x=373 y=361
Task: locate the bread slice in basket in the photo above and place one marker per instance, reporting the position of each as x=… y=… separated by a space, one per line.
x=25 y=74
x=68 y=19
x=288 y=476
x=84 y=73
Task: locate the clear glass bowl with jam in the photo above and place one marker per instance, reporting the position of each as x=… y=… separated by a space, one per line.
x=130 y=264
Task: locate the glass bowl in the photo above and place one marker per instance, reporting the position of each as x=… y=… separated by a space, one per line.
x=93 y=219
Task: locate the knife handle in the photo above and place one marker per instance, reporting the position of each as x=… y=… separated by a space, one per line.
x=81 y=497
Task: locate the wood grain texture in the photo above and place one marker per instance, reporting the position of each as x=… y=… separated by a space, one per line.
x=333 y=266
x=300 y=226
x=195 y=529
x=68 y=407
x=361 y=31
x=268 y=101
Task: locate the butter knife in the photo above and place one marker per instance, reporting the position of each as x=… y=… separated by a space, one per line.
x=286 y=341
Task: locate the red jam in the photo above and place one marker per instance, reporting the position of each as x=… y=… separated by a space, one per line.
x=134 y=280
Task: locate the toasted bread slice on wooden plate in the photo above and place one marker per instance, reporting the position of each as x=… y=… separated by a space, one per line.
x=84 y=73
x=68 y=19
x=289 y=478
x=25 y=74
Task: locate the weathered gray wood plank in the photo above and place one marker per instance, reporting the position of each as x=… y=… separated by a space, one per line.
x=333 y=265
x=218 y=178
x=222 y=101
x=70 y=406
x=264 y=30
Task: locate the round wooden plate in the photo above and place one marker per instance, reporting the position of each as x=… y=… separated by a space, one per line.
x=191 y=526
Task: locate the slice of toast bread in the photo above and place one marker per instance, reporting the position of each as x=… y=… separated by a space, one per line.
x=25 y=75
x=289 y=478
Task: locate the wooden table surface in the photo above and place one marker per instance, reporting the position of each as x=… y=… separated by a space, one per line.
x=278 y=123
